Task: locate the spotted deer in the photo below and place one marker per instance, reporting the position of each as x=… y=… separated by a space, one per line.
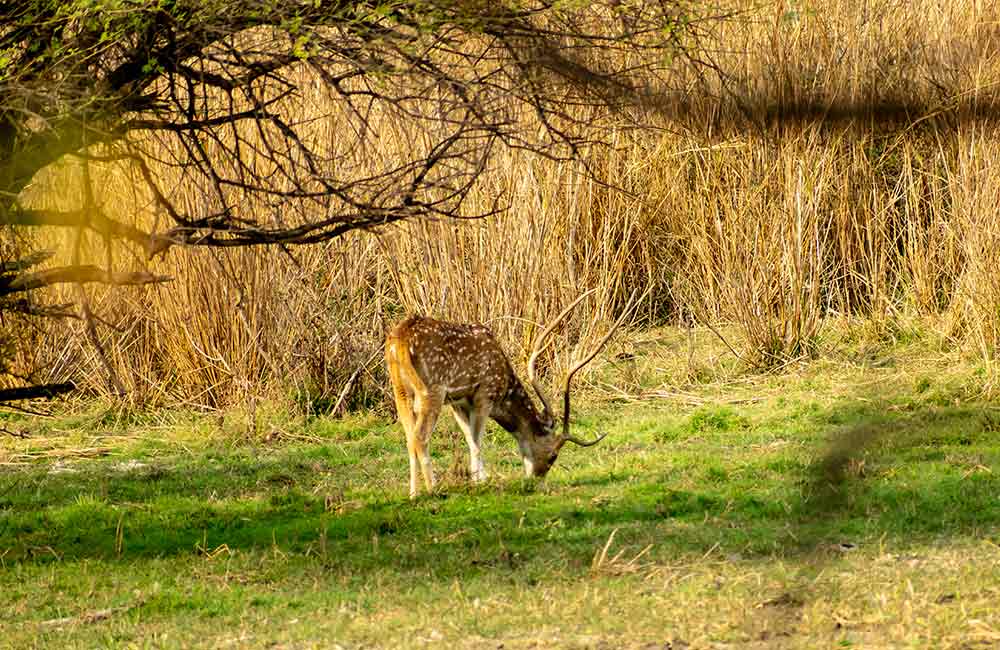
x=433 y=363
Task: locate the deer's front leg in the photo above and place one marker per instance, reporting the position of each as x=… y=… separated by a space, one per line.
x=472 y=424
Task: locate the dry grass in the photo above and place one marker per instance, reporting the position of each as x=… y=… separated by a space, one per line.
x=864 y=185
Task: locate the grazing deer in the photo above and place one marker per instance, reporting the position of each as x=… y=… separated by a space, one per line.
x=432 y=363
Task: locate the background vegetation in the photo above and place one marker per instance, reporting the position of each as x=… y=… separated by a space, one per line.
x=844 y=166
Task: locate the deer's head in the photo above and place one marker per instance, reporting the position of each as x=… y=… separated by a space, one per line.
x=537 y=437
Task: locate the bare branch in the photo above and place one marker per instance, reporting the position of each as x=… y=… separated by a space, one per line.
x=27 y=307
x=95 y=220
x=43 y=391
x=26 y=262
x=81 y=273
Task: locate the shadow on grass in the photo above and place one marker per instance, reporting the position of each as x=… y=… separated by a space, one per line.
x=924 y=472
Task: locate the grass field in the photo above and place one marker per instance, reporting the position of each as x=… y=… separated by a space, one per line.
x=848 y=501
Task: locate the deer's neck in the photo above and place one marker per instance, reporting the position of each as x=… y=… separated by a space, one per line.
x=516 y=412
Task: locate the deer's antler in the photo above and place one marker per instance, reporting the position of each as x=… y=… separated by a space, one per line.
x=540 y=345
x=566 y=437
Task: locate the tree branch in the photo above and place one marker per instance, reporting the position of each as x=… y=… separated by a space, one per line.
x=28 y=261
x=82 y=274
x=45 y=391
x=95 y=220
x=28 y=308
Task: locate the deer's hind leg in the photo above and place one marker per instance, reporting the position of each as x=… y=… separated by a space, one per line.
x=427 y=407
x=404 y=410
x=404 y=387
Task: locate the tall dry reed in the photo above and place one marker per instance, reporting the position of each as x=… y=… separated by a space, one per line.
x=850 y=166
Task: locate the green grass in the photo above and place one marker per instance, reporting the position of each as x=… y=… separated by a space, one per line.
x=836 y=505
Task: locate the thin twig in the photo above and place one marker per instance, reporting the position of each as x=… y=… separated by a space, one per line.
x=350 y=382
x=91 y=617
x=16 y=434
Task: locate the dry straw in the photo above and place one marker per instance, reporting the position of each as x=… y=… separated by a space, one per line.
x=856 y=174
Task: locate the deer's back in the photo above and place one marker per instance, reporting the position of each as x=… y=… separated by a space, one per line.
x=461 y=357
